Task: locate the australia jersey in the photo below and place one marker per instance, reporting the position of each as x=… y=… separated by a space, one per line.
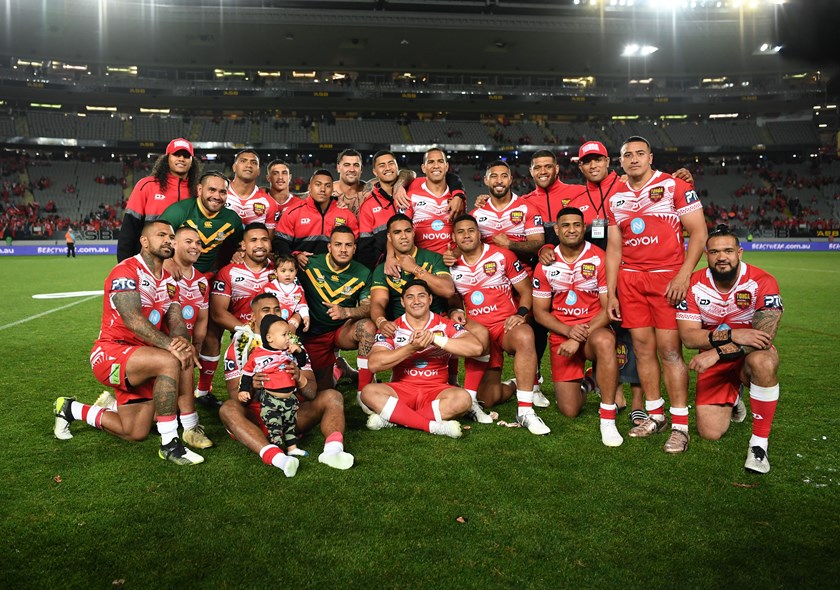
x=574 y=288
x=214 y=229
x=194 y=296
x=427 y=366
x=431 y=261
x=325 y=284
x=156 y=296
x=241 y=284
x=256 y=207
x=432 y=229
x=649 y=220
x=753 y=291
x=486 y=284
x=291 y=297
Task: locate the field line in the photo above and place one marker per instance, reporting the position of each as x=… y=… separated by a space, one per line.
x=808 y=270
x=49 y=311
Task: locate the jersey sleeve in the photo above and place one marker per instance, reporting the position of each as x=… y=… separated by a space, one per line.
x=365 y=292
x=685 y=198
x=513 y=268
x=687 y=309
x=272 y=214
x=377 y=279
x=222 y=284
x=768 y=294
x=609 y=212
x=540 y=285
x=366 y=220
x=533 y=222
x=437 y=265
x=453 y=330
x=174 y=215
x=383 y=341
x=250 y=365
x=302 y=306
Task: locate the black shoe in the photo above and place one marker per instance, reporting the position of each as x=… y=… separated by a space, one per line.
x=209 y=401
x=177 y=453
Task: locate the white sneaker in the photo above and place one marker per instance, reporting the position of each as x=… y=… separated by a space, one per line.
x=291 y=466
x=63 y=418
x=533 y=423
x=477 y=414
x=377 y=422
x=739 y=411
x=362 y=405
x=340 y=460
x=106 y=400
x=757 y=460
x=610 y=435
x=450 y=428
x=539 y=399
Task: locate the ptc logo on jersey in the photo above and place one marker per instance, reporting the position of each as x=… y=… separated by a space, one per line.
x=259 y=208
x=490 y=268
x=587 y=269
x=380 y=337
x=202 y=288
x=536 y=282
x=516 y=216
x=773 y=302
x=340 y=221
x=123 y=285
x=691 y=197
x=172 y=291
x=743 y=299
x=656 y=193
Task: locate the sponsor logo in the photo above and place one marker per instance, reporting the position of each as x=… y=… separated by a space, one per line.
x=691 y=197
x=517 y=266
x=334 y=278
x=620 y=202
x=574 y=311
x=483 y=310
x=114 y=376
x=401 y=339
x=230 y=365
x=743 y=299
x=643 y=241
x=536 y=283
x=571 y=298
x=145 y=283
x=154 y=317
x=218 y=285
x=421 y=364
x=773 y=301
x=375 y=210
x=703 y=302
x=259 y=208
x=123 y=285
x=587 y=269
x=516 y=216
x=208 y=225
x=347 y=290
x=656 y=193
x=458 y=327
x=538 y=220
x=584 y=207
x=637 y=226
x=381 y=337
x=682 y=305
x=477 y=298
x=421 y=373
x=305 y=221
x=490 y=268
x=420 y=203
x=160 y=197
x=188 y=311
x=437 y=224
x=284 y=313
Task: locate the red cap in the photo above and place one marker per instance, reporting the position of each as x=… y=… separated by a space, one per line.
x=592 y=148
x=179 y=145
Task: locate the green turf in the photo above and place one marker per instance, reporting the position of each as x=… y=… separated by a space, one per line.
x=558 y=511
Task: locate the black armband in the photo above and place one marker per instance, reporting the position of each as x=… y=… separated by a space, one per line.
x=522 y=311
x=720 y=337
x=730 y=351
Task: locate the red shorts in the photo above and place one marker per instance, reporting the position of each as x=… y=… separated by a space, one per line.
x=416 y=395
x=565 y=368
x=642 y=299
x=719 y=384
x=321 y=350
x=108 y=359
x=497 y=353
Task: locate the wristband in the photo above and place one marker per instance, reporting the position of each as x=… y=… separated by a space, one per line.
x=730 y=351
x=378 y=323
x=522 y=311
x=294 y=322
x=296 y=252
x=440 y=341
x=720 y=337
x=454 y=309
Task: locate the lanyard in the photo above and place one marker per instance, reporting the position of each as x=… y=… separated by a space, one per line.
x=603 y=207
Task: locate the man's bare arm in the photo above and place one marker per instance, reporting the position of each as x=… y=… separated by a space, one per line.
x=130 y=310
x=766 y=320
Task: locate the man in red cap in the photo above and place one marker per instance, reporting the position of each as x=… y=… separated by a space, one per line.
x=173 y=178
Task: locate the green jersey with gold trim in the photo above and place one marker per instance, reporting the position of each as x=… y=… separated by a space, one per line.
x=324 y=284
x=214 y=230
x=431 y=261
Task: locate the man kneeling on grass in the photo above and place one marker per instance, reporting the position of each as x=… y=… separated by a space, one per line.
x=419 y=395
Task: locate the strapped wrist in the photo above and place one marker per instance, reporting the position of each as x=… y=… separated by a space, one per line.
x=730 y=351
x=720 y=337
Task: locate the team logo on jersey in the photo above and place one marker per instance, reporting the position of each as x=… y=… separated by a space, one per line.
x=773 y=302
x=202 y=288
x=334 y=278
x=565 y=202
x=123 y=285
x=490 y=268
x=656 y=193
x=154 y=317
x=172 y=291
x=691 y=197
x=743 y=299
x=437 y=224
x=621 y=354
x=516 y=216
x=421 y=364
x=284 y=313
x=347 y=290
x=637 y=226
x=272 y=276
x=340 y=221
x=188 y=312
x=587 y=269
x=259 y=208
x=321 y=279
x=477 y=298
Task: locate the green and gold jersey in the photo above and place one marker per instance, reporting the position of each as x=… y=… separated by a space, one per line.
x=431 y=261
x=214 y=230
x=325 y=285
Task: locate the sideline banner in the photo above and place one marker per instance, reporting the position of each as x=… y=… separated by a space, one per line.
x=81 y=249
x=790 y=246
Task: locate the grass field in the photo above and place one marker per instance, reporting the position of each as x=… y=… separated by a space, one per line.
x=541 y=512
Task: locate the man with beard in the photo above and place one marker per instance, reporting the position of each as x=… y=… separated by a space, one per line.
x=570 y=299
x=134 y=356
x=349 y=190
x=172 y=179
x=731 y=314
x=248 y=200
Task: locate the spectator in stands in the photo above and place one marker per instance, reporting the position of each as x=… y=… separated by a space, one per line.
x=173 y=178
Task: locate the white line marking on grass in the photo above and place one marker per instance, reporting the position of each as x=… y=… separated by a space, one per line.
x=809 y=269
x=43 y=313
x=67 y=294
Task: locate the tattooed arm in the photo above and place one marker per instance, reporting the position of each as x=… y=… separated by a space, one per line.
x=766 y=322
x=175 y=321
x=131 y=312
